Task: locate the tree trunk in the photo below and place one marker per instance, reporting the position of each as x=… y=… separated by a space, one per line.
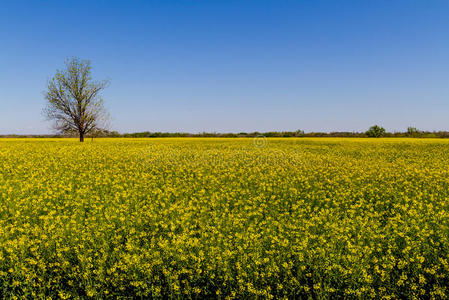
x=81 y=137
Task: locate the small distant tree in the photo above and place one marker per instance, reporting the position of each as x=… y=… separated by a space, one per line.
x=299 y=132
x=74 y=101
x=375 y=131
x=412 y=131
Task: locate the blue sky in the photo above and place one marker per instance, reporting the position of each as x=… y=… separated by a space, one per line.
x=231 y=66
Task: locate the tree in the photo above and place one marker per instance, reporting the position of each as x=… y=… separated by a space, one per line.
x=375 y=131
x=74 y=101
x=412 y=131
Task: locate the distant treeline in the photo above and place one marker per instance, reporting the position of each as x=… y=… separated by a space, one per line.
x=298 y=133
x=411 y=132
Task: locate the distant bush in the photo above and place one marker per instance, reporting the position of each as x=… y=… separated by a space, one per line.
x=375 y=131
x=413 y=132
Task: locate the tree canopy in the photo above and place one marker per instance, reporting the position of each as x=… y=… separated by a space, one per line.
x=74 y=100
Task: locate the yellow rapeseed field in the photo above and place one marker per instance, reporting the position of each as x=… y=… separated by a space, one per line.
x=224 y=218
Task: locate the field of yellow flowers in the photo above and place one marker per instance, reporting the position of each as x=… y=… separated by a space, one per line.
x=224 y=218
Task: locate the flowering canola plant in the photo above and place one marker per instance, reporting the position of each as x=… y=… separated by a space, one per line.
x=224 y=218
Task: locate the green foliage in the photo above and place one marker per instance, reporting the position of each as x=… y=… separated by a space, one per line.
x=286 y=134
x=375 y=131
x=413 y=132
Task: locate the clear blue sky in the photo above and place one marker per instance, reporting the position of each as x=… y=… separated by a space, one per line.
x=230 y=66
